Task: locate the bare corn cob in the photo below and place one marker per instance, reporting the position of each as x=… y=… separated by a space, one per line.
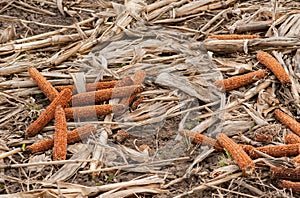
x=90 y=86
x=138 y=79
x=296 y=161
x=80 y=133
x=290 y=122
x=48 y=114
x=43 y=84
x=238 y=154
x=291 y=138
x=275 y=151
x=271 y=63
x=126 y=81
x=198 y=138
x=72 y=137
x=294 y=186
x=91 y=111
x=40 y=146
x=60 y=136
x=105 y=94
x=240 y=81
x=285 y=173
x=233 y=36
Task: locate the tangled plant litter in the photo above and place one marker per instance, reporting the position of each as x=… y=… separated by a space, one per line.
x=276 y=25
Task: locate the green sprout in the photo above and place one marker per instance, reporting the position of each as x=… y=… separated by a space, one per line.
x=110 y=178
x=228 y=156
x=23 y=147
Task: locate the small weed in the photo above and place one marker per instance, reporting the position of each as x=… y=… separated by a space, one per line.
x=188 y=142
x=222 y=164
x=228 y=156
x=23 y=147
x=110 y=178
x=37 y=107
x=225 y=159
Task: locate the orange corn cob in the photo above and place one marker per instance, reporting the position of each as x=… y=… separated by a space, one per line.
x=275 y=151
x=43 y=84
x=40 y=146
x=126 y=81
x=239 y=81
x=48 y=114
x=296 y=161
x=91 y=111
x=233 y=36
x=60 y=136
x=104 y=94
x=294 y=186
x=198 y=138
x=81 y=133
x=291 y=138
x=285 y=173
x=290 y=122
x=138 y=79
x=238 y=154
x=72 y=137
x=271 y=63
x=90 y=86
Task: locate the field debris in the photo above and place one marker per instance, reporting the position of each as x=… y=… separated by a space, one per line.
x=148 y=98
